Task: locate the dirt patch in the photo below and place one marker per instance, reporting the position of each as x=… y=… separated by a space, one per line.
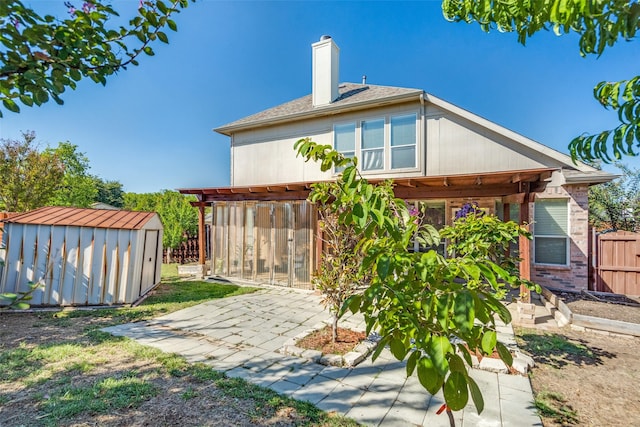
x=583 y=378
x=46 y=363
x=321 y=340
x=612 y=307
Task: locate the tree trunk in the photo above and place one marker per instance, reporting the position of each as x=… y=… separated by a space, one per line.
x=452 y=421
x=334 y=328
x=169 y=250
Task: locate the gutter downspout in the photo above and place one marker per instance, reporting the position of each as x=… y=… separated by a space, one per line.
x=423 y=112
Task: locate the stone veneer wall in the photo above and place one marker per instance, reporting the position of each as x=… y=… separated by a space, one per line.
x=576 y=275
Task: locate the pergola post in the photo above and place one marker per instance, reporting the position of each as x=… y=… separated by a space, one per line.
x=525 y=250
x=201 y=241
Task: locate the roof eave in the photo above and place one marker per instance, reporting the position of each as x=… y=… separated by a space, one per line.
x=590 y=179
x=327 y=110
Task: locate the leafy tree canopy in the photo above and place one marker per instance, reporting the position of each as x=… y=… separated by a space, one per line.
x=616 y=204
x=28 y=178
x=600 y=24
x=77 y=188
x=42 y=56
x=178 y=217
x=109 y=192
x=424 y=306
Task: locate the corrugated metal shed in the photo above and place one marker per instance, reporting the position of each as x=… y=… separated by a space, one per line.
x=82 y=256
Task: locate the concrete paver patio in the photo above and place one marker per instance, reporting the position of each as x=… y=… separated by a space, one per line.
x=241 y=335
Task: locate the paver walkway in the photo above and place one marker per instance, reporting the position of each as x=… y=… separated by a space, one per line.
x=240 y=335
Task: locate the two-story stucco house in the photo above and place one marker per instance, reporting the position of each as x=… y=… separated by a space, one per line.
x=439 y=155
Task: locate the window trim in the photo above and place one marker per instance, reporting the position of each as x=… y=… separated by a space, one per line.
x=566 y=237
x=415 y=143
x=384 y=144
x=387 y=169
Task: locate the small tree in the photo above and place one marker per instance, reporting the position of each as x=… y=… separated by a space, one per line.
x=178 y=218
x=28 y=178
x=109 y=192
x=339 y=276
x=416 y=301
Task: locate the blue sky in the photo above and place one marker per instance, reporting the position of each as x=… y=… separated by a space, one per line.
x=151 y=126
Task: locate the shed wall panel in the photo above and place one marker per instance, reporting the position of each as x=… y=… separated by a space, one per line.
x=124 y=245
x=56 y=265
x=41 y=251
x=111 y=283
x=70 y=265
x=96 y=277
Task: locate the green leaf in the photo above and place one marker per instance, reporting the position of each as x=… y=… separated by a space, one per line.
x=26 y=100
x=381 y=345
x=353 y=302
x=456 y=364
x=172 y=25
x=489 y=340
x=412 y=361
x=22 y=306
x=476 y=395
x=429 y=376
x=10 y=105
x=455 y=391
x=504 y=354
x=465 y=354
x=438 y=349
x=398 y=349
x=382 y=267
x=163 y=37
x=463 y=311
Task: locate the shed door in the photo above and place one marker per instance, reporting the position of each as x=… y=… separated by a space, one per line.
x=149 y=263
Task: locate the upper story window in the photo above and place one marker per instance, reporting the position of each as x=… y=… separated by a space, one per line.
x=372 y=146
x=403 y=141
x=551 y=232
x=345 y=140
x=381 y=144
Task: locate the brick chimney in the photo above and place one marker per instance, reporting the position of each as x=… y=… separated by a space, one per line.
x=326 y=61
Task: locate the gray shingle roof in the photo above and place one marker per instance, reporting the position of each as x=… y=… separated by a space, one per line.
x=352 y=95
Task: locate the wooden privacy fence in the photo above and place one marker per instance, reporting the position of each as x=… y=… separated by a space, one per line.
x=617 y=262
x=189 y=250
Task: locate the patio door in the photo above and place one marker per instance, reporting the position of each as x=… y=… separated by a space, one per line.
x=267 y=242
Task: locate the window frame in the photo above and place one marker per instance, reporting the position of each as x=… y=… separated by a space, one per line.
x=387 y=147
x=414 y=145
x=383 y=119
x=566 y=237
x=337 y=170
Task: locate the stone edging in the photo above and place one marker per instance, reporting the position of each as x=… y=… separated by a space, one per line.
x=521 y=362
x=564 y=316
x=348 y=360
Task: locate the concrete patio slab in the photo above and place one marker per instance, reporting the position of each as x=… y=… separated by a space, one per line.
x=239 y=336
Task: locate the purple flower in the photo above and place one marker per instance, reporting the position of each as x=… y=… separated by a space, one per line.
x=468 y=209
x=71 y=7
x=88 y=7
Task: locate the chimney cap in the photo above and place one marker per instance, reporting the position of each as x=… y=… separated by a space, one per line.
x=325 y=37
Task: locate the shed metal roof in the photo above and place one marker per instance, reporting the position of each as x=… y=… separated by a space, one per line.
x=95 y=218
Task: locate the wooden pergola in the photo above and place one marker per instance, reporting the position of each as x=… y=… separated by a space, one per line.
x=513 y=187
